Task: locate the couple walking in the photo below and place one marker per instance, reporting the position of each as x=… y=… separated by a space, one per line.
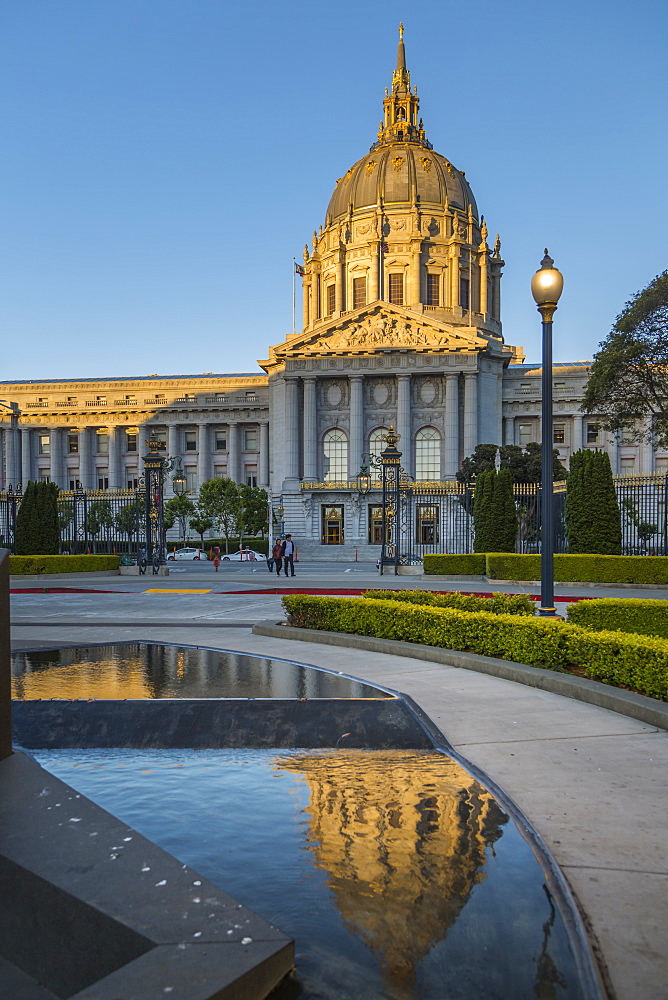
x=283 y=554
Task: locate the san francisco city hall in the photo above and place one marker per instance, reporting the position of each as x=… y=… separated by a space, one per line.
x=401 y=326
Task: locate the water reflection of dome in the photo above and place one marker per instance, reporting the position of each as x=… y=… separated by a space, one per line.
x=402 y=838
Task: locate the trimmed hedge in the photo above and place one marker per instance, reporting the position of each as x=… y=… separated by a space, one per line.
x=454 y=565
x=581 y=568
x=622 y=615
x=497 y=604
x=613 y=657
x=35 y=565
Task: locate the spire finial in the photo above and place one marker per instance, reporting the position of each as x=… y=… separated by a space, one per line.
x=401 y=31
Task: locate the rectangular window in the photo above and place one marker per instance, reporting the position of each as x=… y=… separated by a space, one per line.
x=627 y=436
x=661 y=465
x=396 y=289
x=627 y=466
x=375 y=524
x=131 y=442
x=102 y=400
x=130 y=399
x=103 y=482
x=72 y=444
x=251 y=479
x=190 y=440
x=250 y=439
x=220 y=470
x=359 y=292
x=44 y=477
x=221 y=441
x=592 y=433
x=464 y=293
x=191 y=478
x=558 y=433
x=44 y=444
x=102 y=444
x=73 y=484
x=331 y=299
x=525 y=432
x=426 y=523
x=433 y=295
x=132 y=479
x=332 y=524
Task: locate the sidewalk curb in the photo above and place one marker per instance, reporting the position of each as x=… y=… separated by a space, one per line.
x=636 y=706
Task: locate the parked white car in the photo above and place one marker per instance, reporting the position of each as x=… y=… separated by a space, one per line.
x=247 y=555
x=185 y=554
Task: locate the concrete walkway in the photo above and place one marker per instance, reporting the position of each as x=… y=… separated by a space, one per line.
x=591 y=781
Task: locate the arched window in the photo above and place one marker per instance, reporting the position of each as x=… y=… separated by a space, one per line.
x=377 y=442
x=335 y=451
x=427 y=454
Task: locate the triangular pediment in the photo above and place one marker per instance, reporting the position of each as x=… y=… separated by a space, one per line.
x=380 y=327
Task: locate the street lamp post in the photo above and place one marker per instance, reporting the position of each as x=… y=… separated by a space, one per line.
x=391 y=473
x=154 y=470
x=546 y=287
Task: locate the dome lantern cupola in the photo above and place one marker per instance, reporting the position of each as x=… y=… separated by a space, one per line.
x=400 y=107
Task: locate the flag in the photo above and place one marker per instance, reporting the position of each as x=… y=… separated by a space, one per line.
x=384 y=248
x=300 y=270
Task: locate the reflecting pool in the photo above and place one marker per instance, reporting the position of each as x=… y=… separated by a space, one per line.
x=397 y=874
x=144 y=670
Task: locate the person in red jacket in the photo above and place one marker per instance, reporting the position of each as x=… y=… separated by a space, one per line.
x=277 y=555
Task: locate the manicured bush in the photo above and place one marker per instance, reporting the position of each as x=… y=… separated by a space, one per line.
x=37 y=525
x=580 y=568
x=593 y=520
x=613 y=657
x=497 y=604
x=621 y=615
x=35 y=565
x=494 y=517
x=441 y=564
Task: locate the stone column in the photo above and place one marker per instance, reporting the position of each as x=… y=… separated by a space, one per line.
x=306 y=288
x=115 y=482
x=414 y=290
x=85 y=459
x=203 y=453
x=340 y=290
x=483 y=283
x=12 y=439
x=647 y=450
x=451 y=426
x=509 y=430
x=56 y=461
x=470 y=413
x=26 y=456
x=310 y=430
x=173 y=445
x=404 y=422
x=291 y=425
x=356 y=424
x=613 y=452
x=576 y=433
x=232 y=451
x=263 y=470
x=374 y=273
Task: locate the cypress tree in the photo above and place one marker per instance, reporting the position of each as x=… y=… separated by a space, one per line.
x=494 y=518
x=37 y=526
x=482 y=501
x=593 y=519
x=26 y=522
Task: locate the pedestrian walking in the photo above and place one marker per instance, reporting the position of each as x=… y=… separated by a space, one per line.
x=288 y=554
x=277 y=555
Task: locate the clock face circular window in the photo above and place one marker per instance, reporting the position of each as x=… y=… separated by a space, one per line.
x=334 y=395
x=380 y=394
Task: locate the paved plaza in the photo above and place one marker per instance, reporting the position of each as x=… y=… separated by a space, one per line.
x=591 y=781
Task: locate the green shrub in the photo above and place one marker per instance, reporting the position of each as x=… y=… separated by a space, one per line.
x=494 y=518
x=580 y=568
x=593 y=520
x=613 y=657
x=622 y=615
x=454 y=565
x=497 y=604
x=35 y=565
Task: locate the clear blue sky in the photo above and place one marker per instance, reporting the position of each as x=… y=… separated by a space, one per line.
x=164 y=161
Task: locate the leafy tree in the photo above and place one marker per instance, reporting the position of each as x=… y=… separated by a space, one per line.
x=37 y=525
x=99 y=518
x=254 y=502
x=525 y=464
x=130 y=518
x=494 y=517
x=628 y=380
x=219 y=499
x=644 y=529
x=181 y=508
x=593 y=520
x=200 y=524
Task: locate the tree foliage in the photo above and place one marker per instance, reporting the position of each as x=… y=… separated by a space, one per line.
x=200 y=524
x=179 y=508
x=255 y=505
x=525 y=464
x=220 y=500
x=99 y=518
x=37 y=523
x=593 y=520
x=628 y=381
x=494 y=517
x=130 y=518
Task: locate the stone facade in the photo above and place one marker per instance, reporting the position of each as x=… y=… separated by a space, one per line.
x=401 y=327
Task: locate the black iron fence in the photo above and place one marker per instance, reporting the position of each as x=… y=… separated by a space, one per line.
x=91 y=521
